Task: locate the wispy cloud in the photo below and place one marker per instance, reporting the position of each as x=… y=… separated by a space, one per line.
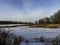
x=27 y=10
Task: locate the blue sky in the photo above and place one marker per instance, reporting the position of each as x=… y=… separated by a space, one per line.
x=27 y=10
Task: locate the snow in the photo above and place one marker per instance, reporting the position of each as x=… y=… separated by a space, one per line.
x=10 y=25
x=35 y=32
x=31 y=33
x=31 y=43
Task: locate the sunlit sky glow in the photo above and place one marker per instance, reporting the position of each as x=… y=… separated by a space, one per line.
x=27 y=10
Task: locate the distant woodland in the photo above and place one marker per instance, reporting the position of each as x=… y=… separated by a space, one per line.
x=55 y=19
x=14 y=22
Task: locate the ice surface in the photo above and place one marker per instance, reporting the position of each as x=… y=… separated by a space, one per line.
x=35 y=32
x=31 y=33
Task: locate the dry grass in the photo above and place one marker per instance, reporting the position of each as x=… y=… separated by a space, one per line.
x=47 y=25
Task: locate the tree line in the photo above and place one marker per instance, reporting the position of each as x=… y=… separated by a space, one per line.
x=14 y=22
x=55 y=18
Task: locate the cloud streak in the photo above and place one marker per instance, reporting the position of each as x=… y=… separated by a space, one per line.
x=27 y=10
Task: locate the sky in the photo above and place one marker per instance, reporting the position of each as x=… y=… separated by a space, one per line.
x=27 y=10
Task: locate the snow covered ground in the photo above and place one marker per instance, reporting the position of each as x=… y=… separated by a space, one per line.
x=28 y=33
x=35 y=32
x=31 y=43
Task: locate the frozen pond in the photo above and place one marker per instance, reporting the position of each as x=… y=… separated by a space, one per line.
x=35 y=32
x=31 y=33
